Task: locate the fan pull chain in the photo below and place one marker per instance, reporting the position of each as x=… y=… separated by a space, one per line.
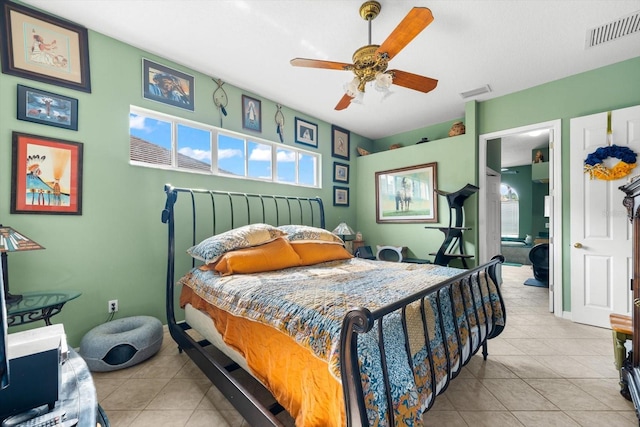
x=609 y=131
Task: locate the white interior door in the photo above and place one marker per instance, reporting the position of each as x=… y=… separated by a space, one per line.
x=601 y=264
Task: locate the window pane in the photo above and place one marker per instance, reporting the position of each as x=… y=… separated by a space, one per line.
x=150 y=140
x=194 y=148
x=510 y=211
x=286 y=165
x=231 y=155
x=308 y=170
x=259 y=160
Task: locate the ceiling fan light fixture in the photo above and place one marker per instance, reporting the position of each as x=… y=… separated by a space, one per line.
x=351 y=87
x=383 y=81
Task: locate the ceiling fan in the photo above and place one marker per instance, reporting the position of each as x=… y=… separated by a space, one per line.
x=370 y=62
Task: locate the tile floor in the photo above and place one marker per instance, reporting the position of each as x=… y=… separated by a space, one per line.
x=541 y=371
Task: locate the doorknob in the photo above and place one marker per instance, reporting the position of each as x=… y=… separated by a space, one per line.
x=577 y=245
x=636 y=302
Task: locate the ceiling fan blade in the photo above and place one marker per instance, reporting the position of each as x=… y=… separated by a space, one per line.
x=413 y=81
x=344 y=102
x=317 y=63
x=416 y=20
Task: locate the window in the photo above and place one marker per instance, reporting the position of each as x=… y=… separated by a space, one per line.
x=162 y=141
x=510 y=211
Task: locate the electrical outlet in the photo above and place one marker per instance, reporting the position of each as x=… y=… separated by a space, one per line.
x=113 y=306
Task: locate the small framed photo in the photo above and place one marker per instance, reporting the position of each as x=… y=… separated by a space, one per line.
x=46 y=108
x=166 y=85
x=340 y=172
x=41 y=47
x=340 y=196
x=407 y=194
x=46 y=176
x=306 y=132
x=339 y=142
x=251 y=113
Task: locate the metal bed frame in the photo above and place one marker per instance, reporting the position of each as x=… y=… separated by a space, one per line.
x=246 y=208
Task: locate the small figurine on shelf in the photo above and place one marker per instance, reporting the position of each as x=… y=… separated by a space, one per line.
x=457 y=128
x=539 y=157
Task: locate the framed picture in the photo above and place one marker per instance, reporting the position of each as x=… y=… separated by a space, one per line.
x=166 y=85
x=40 y=47
x=407 y=194
x=306 y=133
x=46 y=108
x=46 y=175
x=339 y=142
x=340 y=196
x=340 y=172
x=251 y=113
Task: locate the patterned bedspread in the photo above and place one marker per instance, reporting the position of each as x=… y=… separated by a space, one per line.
x=309 y=303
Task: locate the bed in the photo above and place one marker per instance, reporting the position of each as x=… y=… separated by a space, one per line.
x=330 y=351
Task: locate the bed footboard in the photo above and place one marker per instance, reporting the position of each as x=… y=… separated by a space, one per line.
x=483 y=286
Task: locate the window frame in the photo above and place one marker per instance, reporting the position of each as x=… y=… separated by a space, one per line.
x=215 y=132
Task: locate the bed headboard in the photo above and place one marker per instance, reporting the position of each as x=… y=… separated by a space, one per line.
x=193 y=214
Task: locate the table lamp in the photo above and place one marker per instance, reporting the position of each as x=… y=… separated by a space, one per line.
x=12 y=241
x=343 y=231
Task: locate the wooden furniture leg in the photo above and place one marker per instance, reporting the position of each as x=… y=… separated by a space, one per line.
x=622 y=331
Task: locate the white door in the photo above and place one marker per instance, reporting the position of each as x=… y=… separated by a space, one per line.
x=494 y=213
x=600 y=231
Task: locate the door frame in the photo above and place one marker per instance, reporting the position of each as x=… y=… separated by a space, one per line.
x=555 y=191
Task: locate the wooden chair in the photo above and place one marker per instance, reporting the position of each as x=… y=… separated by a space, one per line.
x=622 y=331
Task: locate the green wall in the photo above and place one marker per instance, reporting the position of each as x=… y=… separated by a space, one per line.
x=603 y=89
x=117 y=248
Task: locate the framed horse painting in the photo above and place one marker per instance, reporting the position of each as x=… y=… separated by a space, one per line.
x=407 y=194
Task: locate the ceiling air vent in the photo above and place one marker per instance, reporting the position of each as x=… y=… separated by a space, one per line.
x=614 y=30
x=475 y=92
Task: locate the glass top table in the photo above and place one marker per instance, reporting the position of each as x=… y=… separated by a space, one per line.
x=40 y=305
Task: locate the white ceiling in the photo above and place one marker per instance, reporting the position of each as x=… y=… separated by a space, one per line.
x=509 y=45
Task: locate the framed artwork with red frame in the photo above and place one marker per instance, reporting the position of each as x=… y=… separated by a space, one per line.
x=46 y=175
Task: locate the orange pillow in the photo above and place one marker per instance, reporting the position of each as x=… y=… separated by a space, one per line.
x=274 y=255
x=314 y=252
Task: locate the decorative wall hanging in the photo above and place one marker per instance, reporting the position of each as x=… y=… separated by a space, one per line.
x=46 y=175
x=251 y=113
x=279 y=118
x=340 y=172
x=339 y=142
x=46 y=108
x=407 y=194
x=220 y=99
x=40 y=47
x=340 y=196
x=594 y=163
x=166 y=85
x=306 y=133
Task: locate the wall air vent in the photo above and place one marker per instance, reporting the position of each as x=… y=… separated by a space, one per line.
x=624 y=26
x=475 y=92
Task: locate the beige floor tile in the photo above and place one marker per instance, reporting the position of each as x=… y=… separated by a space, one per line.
x=605 y=390
x=121 y=418
x=526 y=367
x=490 y=419
x=568 y=367
x=158 y=418
x=489 y=368
x=212 y=418
x=133 y=394
x=517 y=395
x=470 y=394
x=443 y=419
x=181 y=394
x=545 y=419
x=601 y=418
x=566 y=395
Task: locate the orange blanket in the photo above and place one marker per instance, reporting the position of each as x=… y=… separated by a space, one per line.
x=299 y=380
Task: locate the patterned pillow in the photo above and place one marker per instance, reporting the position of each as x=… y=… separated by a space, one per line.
x=308 y=233
x=209 y=250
